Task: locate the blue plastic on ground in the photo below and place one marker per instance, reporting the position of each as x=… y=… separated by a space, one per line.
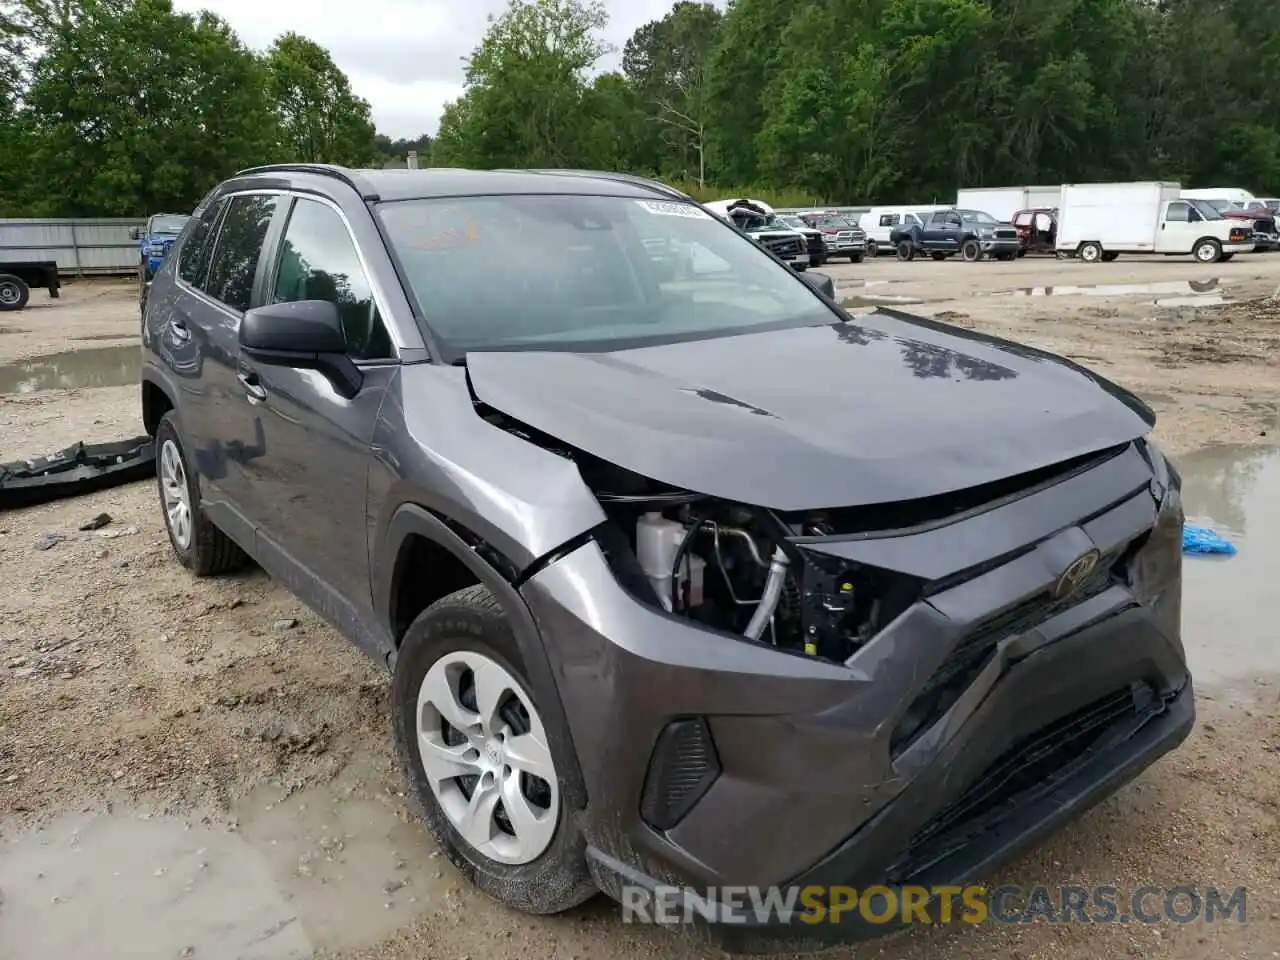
x=1197 y=539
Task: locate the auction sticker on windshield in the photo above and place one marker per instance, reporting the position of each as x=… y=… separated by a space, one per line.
x=664 y=208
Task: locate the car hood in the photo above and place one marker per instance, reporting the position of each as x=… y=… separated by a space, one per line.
x=890 y=408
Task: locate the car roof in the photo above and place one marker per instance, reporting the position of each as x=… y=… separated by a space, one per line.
x=431 y=182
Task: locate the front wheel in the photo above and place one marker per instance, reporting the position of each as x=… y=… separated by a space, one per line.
x=906 y=251
x=1090 y=252
x=474 y=746
x=1208 y=251
x=14 y=292
x=873 y=249
x=970 y=251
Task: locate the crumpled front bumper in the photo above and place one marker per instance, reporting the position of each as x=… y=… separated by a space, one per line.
x=803 y=780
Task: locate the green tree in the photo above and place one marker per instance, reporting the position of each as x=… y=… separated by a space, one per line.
x=320 y=119
x=134 y=108
x=525 y=87
x=666 y=64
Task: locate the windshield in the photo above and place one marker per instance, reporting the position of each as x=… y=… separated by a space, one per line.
x=587 y=273
x=976 y=216
x=168 y=226
x=794 y=223
x=1209 y=209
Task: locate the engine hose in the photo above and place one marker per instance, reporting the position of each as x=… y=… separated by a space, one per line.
x=772 y=592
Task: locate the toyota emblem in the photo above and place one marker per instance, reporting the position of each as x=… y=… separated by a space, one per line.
x=1079 y=570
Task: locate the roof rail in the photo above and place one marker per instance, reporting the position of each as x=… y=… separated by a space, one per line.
x=349 y=177
x=657 y=186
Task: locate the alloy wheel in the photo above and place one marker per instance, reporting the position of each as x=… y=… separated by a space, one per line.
x=177 y=500
x=484 y=751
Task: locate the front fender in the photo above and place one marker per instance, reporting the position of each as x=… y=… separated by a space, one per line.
x=412 y=520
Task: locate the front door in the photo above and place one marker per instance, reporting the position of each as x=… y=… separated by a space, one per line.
x=1177 y=233
x=311 y=477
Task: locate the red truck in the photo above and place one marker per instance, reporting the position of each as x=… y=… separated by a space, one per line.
x=1037 y=230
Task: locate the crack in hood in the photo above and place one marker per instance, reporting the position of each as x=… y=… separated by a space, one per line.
x=891 y=408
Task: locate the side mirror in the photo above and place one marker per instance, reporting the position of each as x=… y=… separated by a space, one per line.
x=306 y=334
x=821 y=282
x=135 y=233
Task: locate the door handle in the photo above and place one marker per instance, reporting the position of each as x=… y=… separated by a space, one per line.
x=255 y=391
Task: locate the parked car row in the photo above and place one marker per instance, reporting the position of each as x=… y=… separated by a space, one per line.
x=803 y=239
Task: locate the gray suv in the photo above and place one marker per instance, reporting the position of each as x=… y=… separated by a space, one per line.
x=683 y=575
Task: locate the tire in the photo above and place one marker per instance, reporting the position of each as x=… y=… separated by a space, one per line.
x=873 y=249
x=1089 y=252
x=1109 y=257
x=14 y=292
x=203 y=549
x=937 y=255
x=1208 y=250
x=856 y=257
x=469 y=633
x=1225 y=257
x=906 y=251
x=1022 y=253
x=1006 y=256
x=971 y=251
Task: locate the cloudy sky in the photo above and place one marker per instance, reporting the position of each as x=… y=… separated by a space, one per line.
x=403 y=56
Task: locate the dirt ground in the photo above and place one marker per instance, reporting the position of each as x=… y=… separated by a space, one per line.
x=141 y=709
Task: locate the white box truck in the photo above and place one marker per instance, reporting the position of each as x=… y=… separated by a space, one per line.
x=1003 y=202
x=1100 y=221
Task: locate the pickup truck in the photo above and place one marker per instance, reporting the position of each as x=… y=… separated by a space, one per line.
x=17 y=277
x=944 y=233
x=154 y=241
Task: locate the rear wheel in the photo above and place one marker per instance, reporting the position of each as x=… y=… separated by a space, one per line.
x=199 y=545
x=1090 y=252
x=970 y=251
x=906 y=251
x=14 y=292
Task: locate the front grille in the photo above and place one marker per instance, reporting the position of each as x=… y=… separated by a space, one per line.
x=1006 y=234
x=972 y=653
x=1018 y=776
x=1264 y=226
x=785 y=247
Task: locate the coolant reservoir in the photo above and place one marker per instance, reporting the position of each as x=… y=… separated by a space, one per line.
x=657 y=543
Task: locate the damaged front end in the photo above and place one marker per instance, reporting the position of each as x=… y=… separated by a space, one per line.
x=908 y=691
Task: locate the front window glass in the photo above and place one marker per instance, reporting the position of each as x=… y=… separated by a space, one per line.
x=582 y=273
x=1209 y=209
x=977 y=216
x=168 y=226
x=240 y=239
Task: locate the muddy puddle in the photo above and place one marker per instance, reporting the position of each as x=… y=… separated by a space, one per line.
x=1227 y=622
x=323 y=870
x=102 y=367
x=1164 y=293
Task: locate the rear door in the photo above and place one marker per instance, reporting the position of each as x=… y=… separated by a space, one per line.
x=224 y=441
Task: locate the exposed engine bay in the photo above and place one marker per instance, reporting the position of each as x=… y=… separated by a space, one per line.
x=733 y=567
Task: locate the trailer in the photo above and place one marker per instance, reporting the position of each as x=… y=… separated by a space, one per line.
x=17 y=277
x=1003 y=202
x=1100 y=221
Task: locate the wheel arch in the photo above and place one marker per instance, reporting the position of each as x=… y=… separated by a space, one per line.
x=157 y=399
x=411 y=527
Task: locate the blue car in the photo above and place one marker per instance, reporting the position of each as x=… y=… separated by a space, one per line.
x=154 y=241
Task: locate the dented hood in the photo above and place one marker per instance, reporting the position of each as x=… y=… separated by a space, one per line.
x=891 y=408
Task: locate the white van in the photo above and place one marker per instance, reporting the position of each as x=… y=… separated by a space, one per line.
x=1240 y=198
x=878 y=222
x=1100 y=221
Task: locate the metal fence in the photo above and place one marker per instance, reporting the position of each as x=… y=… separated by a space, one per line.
x=82 y=247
